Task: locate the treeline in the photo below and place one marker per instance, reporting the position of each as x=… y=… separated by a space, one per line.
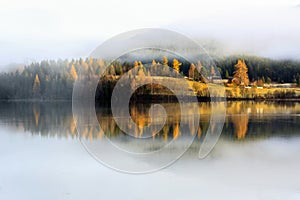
x=47 y=79
x=280 y=71
x=53 y=80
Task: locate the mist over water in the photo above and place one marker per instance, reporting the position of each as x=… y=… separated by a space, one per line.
x=41 y=156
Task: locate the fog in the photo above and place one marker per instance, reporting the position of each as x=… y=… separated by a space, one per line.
x=31 y=31
x=51 y=168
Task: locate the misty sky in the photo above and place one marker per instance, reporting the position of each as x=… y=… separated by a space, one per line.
x=32 y=30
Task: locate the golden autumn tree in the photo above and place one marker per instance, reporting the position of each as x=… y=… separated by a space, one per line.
x=135 y=64
x=141 y=64
x=176 y=65
x=260 y=82
x=165 y=61
x=141 y=70
x=141 y=73
x=153 y=63
x=192 y=71
x=36 y=86
x=73 y=73
x=165 y=69
x=240 y=76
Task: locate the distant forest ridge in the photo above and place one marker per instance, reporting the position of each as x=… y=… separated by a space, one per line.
x=51 y=79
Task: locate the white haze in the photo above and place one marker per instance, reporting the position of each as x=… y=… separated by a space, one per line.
x=49 y=168
x=33 y=30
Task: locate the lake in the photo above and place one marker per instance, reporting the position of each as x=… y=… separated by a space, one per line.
x=256 y=157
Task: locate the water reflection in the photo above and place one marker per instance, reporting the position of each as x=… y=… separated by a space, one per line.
x=239 y=114
x=245 y=119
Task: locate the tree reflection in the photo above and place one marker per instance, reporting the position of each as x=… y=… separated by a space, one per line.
x=245 y=119
x=239 y=118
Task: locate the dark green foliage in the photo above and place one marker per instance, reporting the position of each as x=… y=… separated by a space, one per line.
x=281 y=71
x=56 y=81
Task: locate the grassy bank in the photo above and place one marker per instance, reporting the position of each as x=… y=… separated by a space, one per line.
x=244 y=93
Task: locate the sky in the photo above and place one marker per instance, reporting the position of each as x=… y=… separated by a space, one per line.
x=31 y=30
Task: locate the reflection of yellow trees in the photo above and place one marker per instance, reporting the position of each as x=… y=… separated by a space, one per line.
x=175 y=131
x=240 y=123
x=91 y=135
x=191 y=124
x=36 y=113
x=141 y=119
x=48 y=121
x=100 y=134
x=199 y=132
x=165 y=132
x=72 y=126
x=239 y=118
x=85 y=132
x=108 y=125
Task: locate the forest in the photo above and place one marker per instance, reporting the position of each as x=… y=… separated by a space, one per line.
x=54 y=79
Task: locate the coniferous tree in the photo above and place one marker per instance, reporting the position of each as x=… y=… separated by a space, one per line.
x=192 y=71
x=176 y=65
x=241 y=74
x=226 y=74
x=36 y=86
x=165 y=66
x=73 y=72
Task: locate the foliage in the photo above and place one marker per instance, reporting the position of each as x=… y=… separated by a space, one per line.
x=176 y=65
x=241 y=73
x=280 y=71
x=51 y=79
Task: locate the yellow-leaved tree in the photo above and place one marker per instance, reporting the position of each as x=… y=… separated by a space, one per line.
x=36 y=86
x=153 y=63
x=192 y=71
x=240 y=76
x=135 y=64
x=176 y=65
x=165 y=61
x=165 y=70
x=73 y=72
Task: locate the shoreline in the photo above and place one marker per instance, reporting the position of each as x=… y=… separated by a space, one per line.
x=161 y=99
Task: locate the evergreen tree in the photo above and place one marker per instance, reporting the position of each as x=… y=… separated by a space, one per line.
x=226 y=74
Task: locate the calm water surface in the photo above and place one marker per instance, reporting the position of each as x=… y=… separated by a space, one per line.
x=257 y=156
